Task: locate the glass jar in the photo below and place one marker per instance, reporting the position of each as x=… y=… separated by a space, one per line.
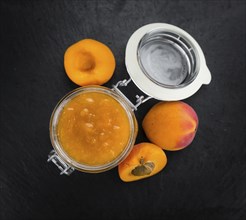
x=61 y=158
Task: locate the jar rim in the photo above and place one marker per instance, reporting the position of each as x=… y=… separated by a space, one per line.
x=61 y=152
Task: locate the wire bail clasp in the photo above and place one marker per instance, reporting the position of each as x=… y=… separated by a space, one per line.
x=63 y=167
x=139 y=99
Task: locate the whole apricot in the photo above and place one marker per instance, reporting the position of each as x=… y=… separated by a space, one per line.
x=145 y=160
x=89 y=62
x=171 y=125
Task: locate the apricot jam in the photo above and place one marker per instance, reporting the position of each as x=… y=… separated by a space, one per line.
x=93 y=128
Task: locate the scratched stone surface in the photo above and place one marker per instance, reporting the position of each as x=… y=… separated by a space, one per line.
x=207 y=180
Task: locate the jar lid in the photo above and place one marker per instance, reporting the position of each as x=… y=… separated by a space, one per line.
x=165 y=62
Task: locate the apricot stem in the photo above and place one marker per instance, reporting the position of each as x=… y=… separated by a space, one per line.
x=142 y=161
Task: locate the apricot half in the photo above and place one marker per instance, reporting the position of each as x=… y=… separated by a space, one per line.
x=145 y=160
x=89 y=62
x=171 y=125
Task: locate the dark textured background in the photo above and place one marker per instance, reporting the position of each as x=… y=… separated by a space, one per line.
x=205 y=181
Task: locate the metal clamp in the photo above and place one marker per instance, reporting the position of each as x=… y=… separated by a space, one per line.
x=140 y=99
x=63 y=167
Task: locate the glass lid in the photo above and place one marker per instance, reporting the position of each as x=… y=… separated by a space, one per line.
x=164 y=62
